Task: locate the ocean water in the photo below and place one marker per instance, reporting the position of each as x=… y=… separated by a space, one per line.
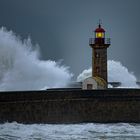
x=87 y=131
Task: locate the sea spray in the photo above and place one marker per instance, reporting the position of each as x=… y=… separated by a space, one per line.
x=116 y=73
x=119 y=73
x=21 y=68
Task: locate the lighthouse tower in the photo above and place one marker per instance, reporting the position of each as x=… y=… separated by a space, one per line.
x=99 y=46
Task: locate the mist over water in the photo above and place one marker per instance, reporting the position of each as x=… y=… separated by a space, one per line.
x=116 y=73
x=21 y=68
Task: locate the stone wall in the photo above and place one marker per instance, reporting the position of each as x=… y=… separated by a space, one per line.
x=70 y=106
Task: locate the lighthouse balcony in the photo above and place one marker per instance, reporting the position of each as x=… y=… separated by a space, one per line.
x=93 y=41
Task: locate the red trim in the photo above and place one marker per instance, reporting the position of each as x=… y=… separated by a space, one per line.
x=99 y=30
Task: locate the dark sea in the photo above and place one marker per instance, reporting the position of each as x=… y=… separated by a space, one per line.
x=87 y=131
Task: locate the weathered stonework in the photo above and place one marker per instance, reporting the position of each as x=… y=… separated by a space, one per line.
x=71 y=106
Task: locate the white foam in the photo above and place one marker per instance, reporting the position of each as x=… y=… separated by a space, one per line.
x=116 y=131
x=116 y=73
x=21 y=69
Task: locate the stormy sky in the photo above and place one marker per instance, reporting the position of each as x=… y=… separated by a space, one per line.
x=62 y=28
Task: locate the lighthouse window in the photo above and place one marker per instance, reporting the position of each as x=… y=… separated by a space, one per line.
x=99 y=35
x=97 y=55
x=97 y=69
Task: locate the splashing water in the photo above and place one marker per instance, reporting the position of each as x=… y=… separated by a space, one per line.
x=91 y=131
x=21 y=69
x=116 y=73
x=119 y=73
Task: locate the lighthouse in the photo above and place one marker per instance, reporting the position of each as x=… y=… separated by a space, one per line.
x=99 y=45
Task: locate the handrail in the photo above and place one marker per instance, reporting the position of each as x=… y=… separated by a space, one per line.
x=106 y=41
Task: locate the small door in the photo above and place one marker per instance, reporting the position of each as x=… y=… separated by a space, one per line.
x=89 y=86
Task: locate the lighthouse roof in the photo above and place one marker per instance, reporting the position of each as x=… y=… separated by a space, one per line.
x=99 y=29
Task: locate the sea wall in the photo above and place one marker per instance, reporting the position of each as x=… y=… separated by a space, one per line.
x=70 y=106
